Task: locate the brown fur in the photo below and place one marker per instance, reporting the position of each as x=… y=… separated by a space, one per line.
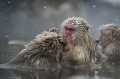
x=82 y=48
x=110 y=41
x=44 y=52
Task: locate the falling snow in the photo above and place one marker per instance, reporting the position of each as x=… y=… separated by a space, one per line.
x=117 y=19
x=78 y=6
x=96 y=71
x=44 y=7
x=37 y=25
x=5 y=18
x=52 y=24
x=68 y=12
x=6 y=36
x=88 y=3
x=9 y=2
x=94 y=6
x=3 y=3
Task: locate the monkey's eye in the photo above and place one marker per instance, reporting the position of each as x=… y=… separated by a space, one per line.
x=71 y=29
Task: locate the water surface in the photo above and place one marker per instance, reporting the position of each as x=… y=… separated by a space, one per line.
x=108 y=71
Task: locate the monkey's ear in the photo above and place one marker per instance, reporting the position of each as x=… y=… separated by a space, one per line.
x=114 y=33
x=85 y=23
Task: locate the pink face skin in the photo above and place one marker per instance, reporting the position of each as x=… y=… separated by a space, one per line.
x=69 y=31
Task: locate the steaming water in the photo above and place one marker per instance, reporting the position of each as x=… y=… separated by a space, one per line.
x=9 y=51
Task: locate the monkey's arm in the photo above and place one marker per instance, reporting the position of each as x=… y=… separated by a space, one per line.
x=20 y=59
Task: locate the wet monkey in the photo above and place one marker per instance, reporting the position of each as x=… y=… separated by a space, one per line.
x=80 y=43
x=109 y=40
x=43 y=53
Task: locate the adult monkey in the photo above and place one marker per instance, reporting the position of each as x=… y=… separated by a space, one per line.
x=81 y=46
x=42 y=53
x=110 y=42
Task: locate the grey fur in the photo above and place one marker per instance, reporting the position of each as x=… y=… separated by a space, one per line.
x=82 y=48
x=110 y=41
x=44 y=53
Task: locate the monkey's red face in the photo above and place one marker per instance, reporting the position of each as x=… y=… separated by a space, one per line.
x=69 y=32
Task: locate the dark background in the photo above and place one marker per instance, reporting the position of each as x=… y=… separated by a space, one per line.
x=24 y=19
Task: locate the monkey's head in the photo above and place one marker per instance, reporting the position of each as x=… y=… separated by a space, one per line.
x=109 y=33
x=75 y=29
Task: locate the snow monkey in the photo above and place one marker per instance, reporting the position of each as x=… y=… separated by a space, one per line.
x=43 y=53
x=81 y=46
x=110 y=41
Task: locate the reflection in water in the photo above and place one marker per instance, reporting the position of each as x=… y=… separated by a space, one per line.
x=83 y=73
x=58 y=74
x=35 y=74
x=109 y=70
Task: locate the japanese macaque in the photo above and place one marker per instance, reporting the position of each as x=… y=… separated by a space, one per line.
x=44 y=52
x=110 y=41
x=81 y=46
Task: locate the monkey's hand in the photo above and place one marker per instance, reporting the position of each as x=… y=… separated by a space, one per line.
x=61 y=39
x=54 y=30
x=63 y=42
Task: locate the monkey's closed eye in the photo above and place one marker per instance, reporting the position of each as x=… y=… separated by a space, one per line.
x=70 y=29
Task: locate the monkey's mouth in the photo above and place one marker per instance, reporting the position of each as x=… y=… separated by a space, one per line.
x=68 y=37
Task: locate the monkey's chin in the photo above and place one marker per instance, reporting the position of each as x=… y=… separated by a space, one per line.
x=68 y=39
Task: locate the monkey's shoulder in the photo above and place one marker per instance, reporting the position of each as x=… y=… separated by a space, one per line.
x=45 y=43
x=44 y=47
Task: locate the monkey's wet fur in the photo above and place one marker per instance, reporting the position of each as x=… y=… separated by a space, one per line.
x=82 y=47
x=43 y=53
x=110 y=42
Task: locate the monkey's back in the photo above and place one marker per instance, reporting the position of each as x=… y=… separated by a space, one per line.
x=41 y=53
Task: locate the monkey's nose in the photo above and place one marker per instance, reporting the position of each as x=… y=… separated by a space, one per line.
x=67 y=31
